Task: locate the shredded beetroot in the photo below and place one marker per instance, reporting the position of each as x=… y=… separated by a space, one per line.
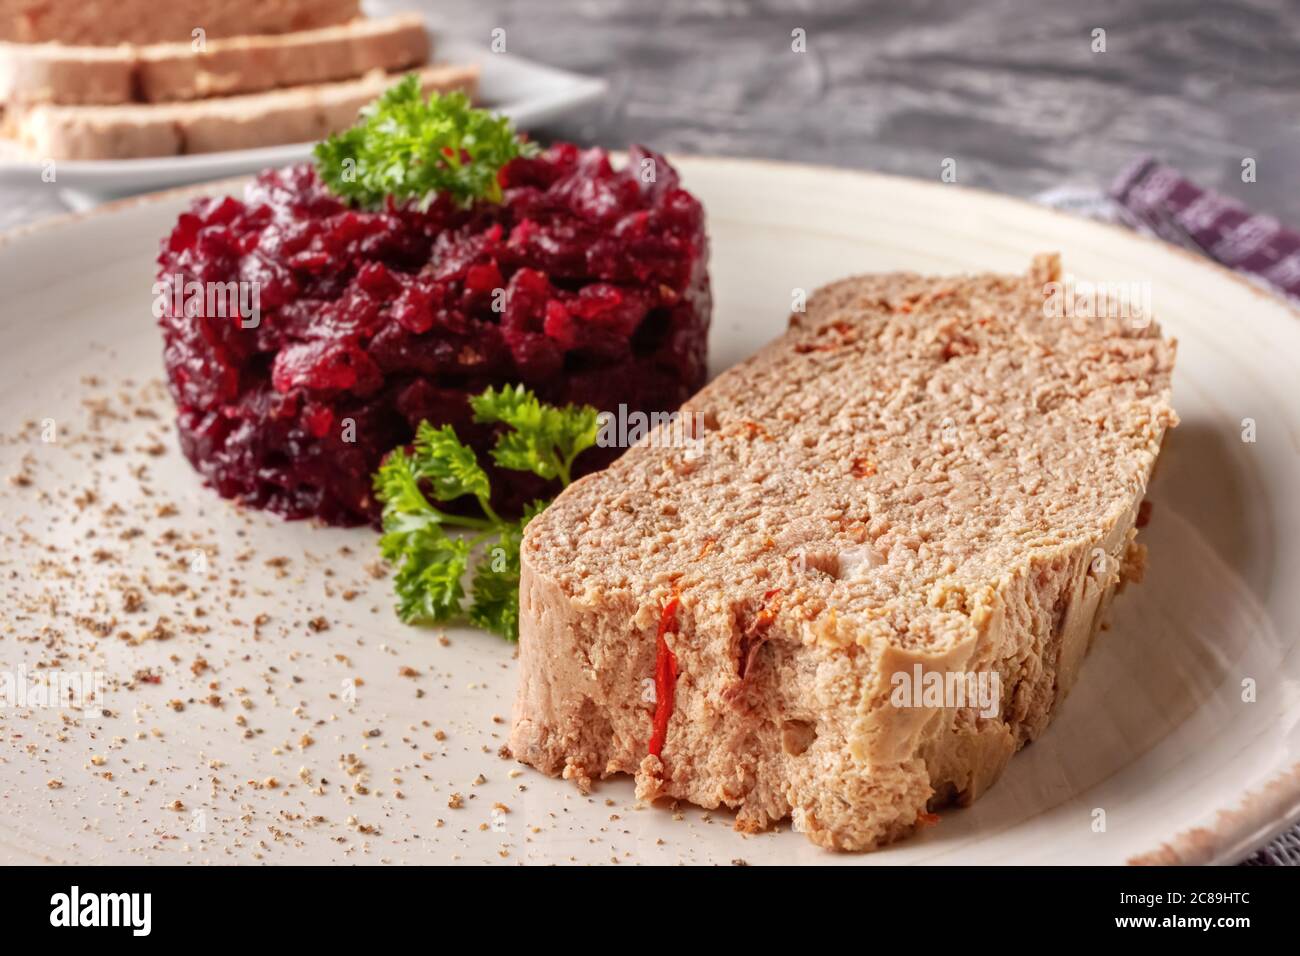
x=665 y=676
x=586 y=284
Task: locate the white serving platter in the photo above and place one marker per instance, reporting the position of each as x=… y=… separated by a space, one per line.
x=1159 y=734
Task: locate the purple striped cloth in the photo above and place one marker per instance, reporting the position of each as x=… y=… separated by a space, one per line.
x=1155 y=195
x=1154 y=198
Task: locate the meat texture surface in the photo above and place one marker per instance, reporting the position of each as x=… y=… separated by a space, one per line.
x=929 y=477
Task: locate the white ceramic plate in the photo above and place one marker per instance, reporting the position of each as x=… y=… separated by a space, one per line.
x=529 y=93
x=1156 y=734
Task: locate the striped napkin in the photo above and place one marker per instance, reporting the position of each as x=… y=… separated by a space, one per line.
x=1154 y=198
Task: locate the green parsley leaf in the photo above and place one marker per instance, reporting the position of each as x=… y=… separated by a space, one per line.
x=448 y=465
x=432 y=563
x=496 y=580
x=428 y=581
x=542 y=439
x=496 y=587
x=410 y=147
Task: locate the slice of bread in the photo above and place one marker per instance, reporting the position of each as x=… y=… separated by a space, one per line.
x=925 y=478
x=109 y=22
x=33 y=73
x=297 y=114
x=54 y=73
x=250 y=64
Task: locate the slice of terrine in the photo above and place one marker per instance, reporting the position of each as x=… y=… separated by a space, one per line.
x=864 y=569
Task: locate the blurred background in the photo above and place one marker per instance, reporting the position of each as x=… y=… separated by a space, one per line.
x=1009 y=88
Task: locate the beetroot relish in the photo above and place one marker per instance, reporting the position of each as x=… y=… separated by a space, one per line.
x=388 y=317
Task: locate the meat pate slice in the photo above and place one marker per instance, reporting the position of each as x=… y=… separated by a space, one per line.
x=924 y=478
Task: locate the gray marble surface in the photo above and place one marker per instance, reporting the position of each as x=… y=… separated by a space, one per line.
x=1011 y=89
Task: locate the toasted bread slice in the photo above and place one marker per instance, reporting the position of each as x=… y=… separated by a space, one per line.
x=33 y=73
x=293 y=115
x=925 y=478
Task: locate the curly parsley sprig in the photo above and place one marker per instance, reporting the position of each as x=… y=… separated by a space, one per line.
x=410 y=147
x=431 y=563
